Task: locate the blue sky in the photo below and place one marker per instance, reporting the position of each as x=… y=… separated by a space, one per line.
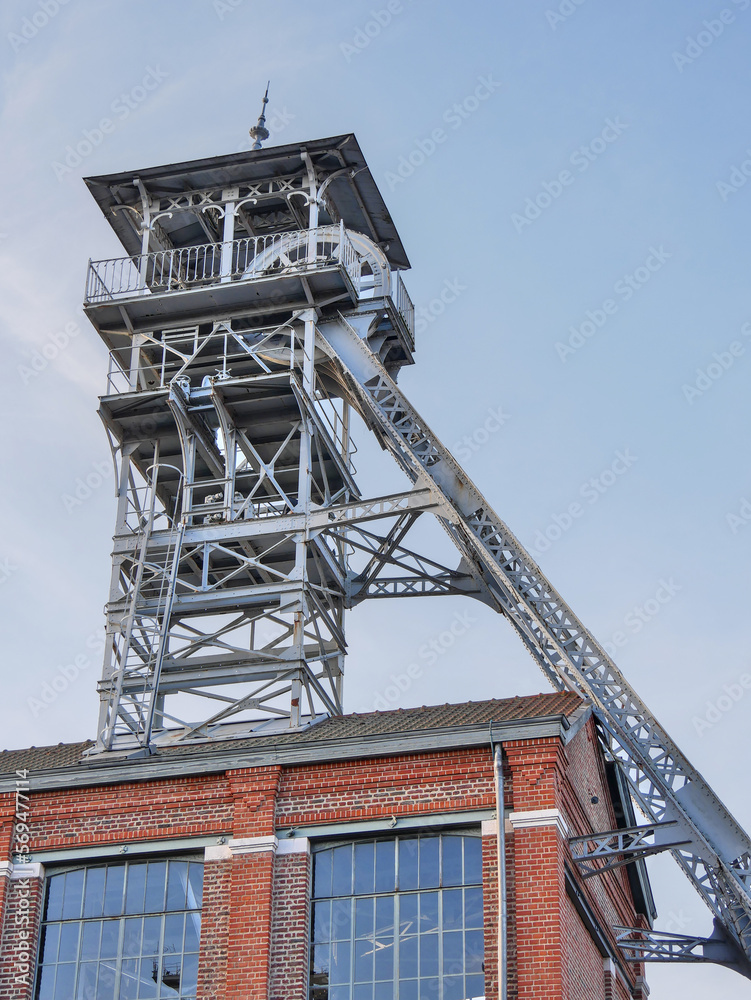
x=586 y=151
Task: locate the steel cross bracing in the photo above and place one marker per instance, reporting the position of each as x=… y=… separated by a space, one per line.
x=717 y=852
x=241 y=535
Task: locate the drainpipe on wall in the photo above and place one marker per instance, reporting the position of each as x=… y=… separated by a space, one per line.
x=500 y=806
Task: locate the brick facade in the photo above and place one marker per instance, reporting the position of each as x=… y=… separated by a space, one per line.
x=257 y=823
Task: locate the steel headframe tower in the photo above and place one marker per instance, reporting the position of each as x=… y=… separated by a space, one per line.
x=259 y=304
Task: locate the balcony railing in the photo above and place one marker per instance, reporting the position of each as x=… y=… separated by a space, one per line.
x=163 y=271
x=182 y=268
x=404 y=305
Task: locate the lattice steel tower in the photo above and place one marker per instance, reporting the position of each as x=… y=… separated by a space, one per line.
x=259 y=304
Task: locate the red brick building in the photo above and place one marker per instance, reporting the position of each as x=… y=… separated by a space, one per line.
x=355 y=858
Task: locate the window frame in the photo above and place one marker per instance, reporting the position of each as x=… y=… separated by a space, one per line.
x=394 y=837
x=126 y=862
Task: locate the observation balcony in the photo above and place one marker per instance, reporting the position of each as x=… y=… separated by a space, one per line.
x=253 y=277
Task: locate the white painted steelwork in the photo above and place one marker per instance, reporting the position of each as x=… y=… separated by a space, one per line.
x=241 y=535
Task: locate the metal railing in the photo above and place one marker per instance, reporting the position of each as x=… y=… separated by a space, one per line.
x=404 y=305
x=181 y=268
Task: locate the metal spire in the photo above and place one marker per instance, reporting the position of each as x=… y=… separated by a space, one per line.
x=259 y=133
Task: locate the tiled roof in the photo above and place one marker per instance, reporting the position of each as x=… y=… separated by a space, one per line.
x=340 y=728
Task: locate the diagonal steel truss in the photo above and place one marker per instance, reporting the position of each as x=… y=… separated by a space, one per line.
x=242 y=538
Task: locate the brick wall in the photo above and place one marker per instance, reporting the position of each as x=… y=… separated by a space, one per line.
x=256 y=905
x=20 y=937
x=290 y=927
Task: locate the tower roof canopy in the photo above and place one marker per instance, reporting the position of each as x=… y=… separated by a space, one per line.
x=265 y=178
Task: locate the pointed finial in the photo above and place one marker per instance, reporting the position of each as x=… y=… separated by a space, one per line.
x=259 y=133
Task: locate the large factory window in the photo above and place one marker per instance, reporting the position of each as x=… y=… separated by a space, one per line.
x=398 y=919
x=125 y=931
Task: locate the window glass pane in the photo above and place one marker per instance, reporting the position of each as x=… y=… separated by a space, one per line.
x=322 y=921
x=384 y=991
x=69 y=937
x=73 y=894
x=408 y=957
x=132 y=937
x=177 y=885
x=173 y=933
x=113 y=891
x=340 y=963
x=156 y=873
x=322 y=874
x=408 y=990
x=428 y=955
x=364 y=917
x=452 y=861
x=192 y=931
x=92 y=932
x=429 y=989
x=453 y=988
x=408 y=863
x=429 y=866
x=341 y=919
x=93 y=897
x=384 y=915
x=428 y=912
x=453 y=953
x=363 y=991
x=453 y=909
x=87 y=981
x=189 y=983
x=385 y=875
x=364 y=868
x=384 y=958
x=408 y=913
x=135 y=889
x=339 y=993
x=148 y=978
x=151 y=935
x=195 y=885
x=473 y=907
x=364 y=961
x=129 y=980
x=47 y=984
x=65 y=982
x=50 y=941
x=475 y=987
x=474 y=950
x=110 y=938
x=105 y=987
x=472 y=861
x=56 y=887
x=342 y=871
